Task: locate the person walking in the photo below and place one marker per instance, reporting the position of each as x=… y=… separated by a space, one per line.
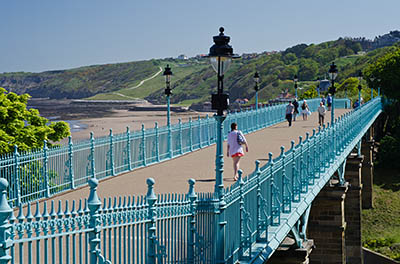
x=289 y=113
x=296 y=108
x=305 y=110
x=321 y=113
x=356 y=104
x=323 y=100
x=235 y=141
x=329 y=102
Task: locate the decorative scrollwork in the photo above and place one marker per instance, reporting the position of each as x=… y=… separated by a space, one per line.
x=200 y=246
x=161 y=251
x=246 y=239
x=102 y=259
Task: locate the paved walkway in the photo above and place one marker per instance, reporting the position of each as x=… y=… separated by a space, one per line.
x=172 y=176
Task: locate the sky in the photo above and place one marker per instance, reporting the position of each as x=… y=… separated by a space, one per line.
x=40 y=35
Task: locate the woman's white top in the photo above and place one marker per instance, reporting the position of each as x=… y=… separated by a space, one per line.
x=234 y=146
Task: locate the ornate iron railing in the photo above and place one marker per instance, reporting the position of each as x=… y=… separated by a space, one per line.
x=43 y=172
x=261 y=208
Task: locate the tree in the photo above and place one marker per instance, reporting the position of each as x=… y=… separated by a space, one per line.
x=25 y=127
x=310 y=93
x=386 y=71
x=308 y=69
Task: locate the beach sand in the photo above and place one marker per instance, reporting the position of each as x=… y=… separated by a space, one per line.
x=118 y=120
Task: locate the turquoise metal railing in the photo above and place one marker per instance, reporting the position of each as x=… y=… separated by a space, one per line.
x=193 y=228
x=41 y=173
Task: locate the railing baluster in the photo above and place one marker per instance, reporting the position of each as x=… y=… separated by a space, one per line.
x=70 y=163
x=17 y=175
x=128 y=148
x=180 y=137
x=112 y=153
x=157 y=142
x=144 y=146
x=5 y=212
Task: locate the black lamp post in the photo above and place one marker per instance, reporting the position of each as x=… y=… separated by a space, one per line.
x=168 y=73
x=333 y=71
x=256 y=87
x=221 y=54
x=318 y=84
x=295 y=79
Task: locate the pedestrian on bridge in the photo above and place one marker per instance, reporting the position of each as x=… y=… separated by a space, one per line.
x=235 y=141
x=323 y=100
x=296 y=108
x=289 y=113
x=329 y=101
x=305 y=110
x=321 y=113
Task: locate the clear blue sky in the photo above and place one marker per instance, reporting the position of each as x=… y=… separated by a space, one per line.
x=38 y=35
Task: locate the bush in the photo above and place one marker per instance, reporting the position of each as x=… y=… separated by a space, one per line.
x=389 y=155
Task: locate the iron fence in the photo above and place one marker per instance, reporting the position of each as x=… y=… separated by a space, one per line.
x=191 y=228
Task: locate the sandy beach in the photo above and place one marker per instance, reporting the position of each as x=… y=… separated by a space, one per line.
x=118 y=120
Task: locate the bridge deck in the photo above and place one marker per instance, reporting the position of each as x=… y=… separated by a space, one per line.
x=172 y=176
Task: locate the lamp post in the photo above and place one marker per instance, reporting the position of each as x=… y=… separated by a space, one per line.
x=319 y=81
x=221 y=54
x=332 y=75
x=359 y=88
x=295 y=79
x=372 y=78
x=256 y=88
x=379 y=88
x=167 y=73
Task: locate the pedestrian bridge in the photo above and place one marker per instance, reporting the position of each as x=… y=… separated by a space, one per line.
x=247 y=223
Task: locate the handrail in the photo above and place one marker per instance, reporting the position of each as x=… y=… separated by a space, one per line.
x=45 y=172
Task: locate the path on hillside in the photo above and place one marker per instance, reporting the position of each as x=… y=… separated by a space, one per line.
x=172 y=175
x=141 y=82
x=145 y=80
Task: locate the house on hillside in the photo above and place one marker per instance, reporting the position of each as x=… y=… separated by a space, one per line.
x=182 y=57
x=284 y=96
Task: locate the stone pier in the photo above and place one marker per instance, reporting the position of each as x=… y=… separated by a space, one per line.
x=326 y=226
x=353 y=209
x=367 y=172
x=287 y=254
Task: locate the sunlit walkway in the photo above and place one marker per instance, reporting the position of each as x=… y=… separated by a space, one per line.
x=172 y=175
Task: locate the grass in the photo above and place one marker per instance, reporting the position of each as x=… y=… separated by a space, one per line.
x=180 y=71
x=381 y=225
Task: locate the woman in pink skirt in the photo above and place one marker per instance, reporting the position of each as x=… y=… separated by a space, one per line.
x=235 y=149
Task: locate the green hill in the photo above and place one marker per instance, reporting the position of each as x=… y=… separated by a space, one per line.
x=194 y=80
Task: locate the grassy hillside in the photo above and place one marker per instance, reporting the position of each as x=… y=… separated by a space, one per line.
x=80 y=82
x=381 y=225
x=156 y=85
x=194 y=80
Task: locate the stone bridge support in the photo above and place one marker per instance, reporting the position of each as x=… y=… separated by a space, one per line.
x=367 y=170
x=335 y=218
x=326 y=225
x=352 y=209
x=334 y=223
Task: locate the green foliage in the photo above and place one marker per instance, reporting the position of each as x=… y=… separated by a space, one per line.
x=309 y=93
x=380 y=225
x=194 y=80
x=25 y=128
x=386 y=70
x=389 y=154
x=308 y=69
